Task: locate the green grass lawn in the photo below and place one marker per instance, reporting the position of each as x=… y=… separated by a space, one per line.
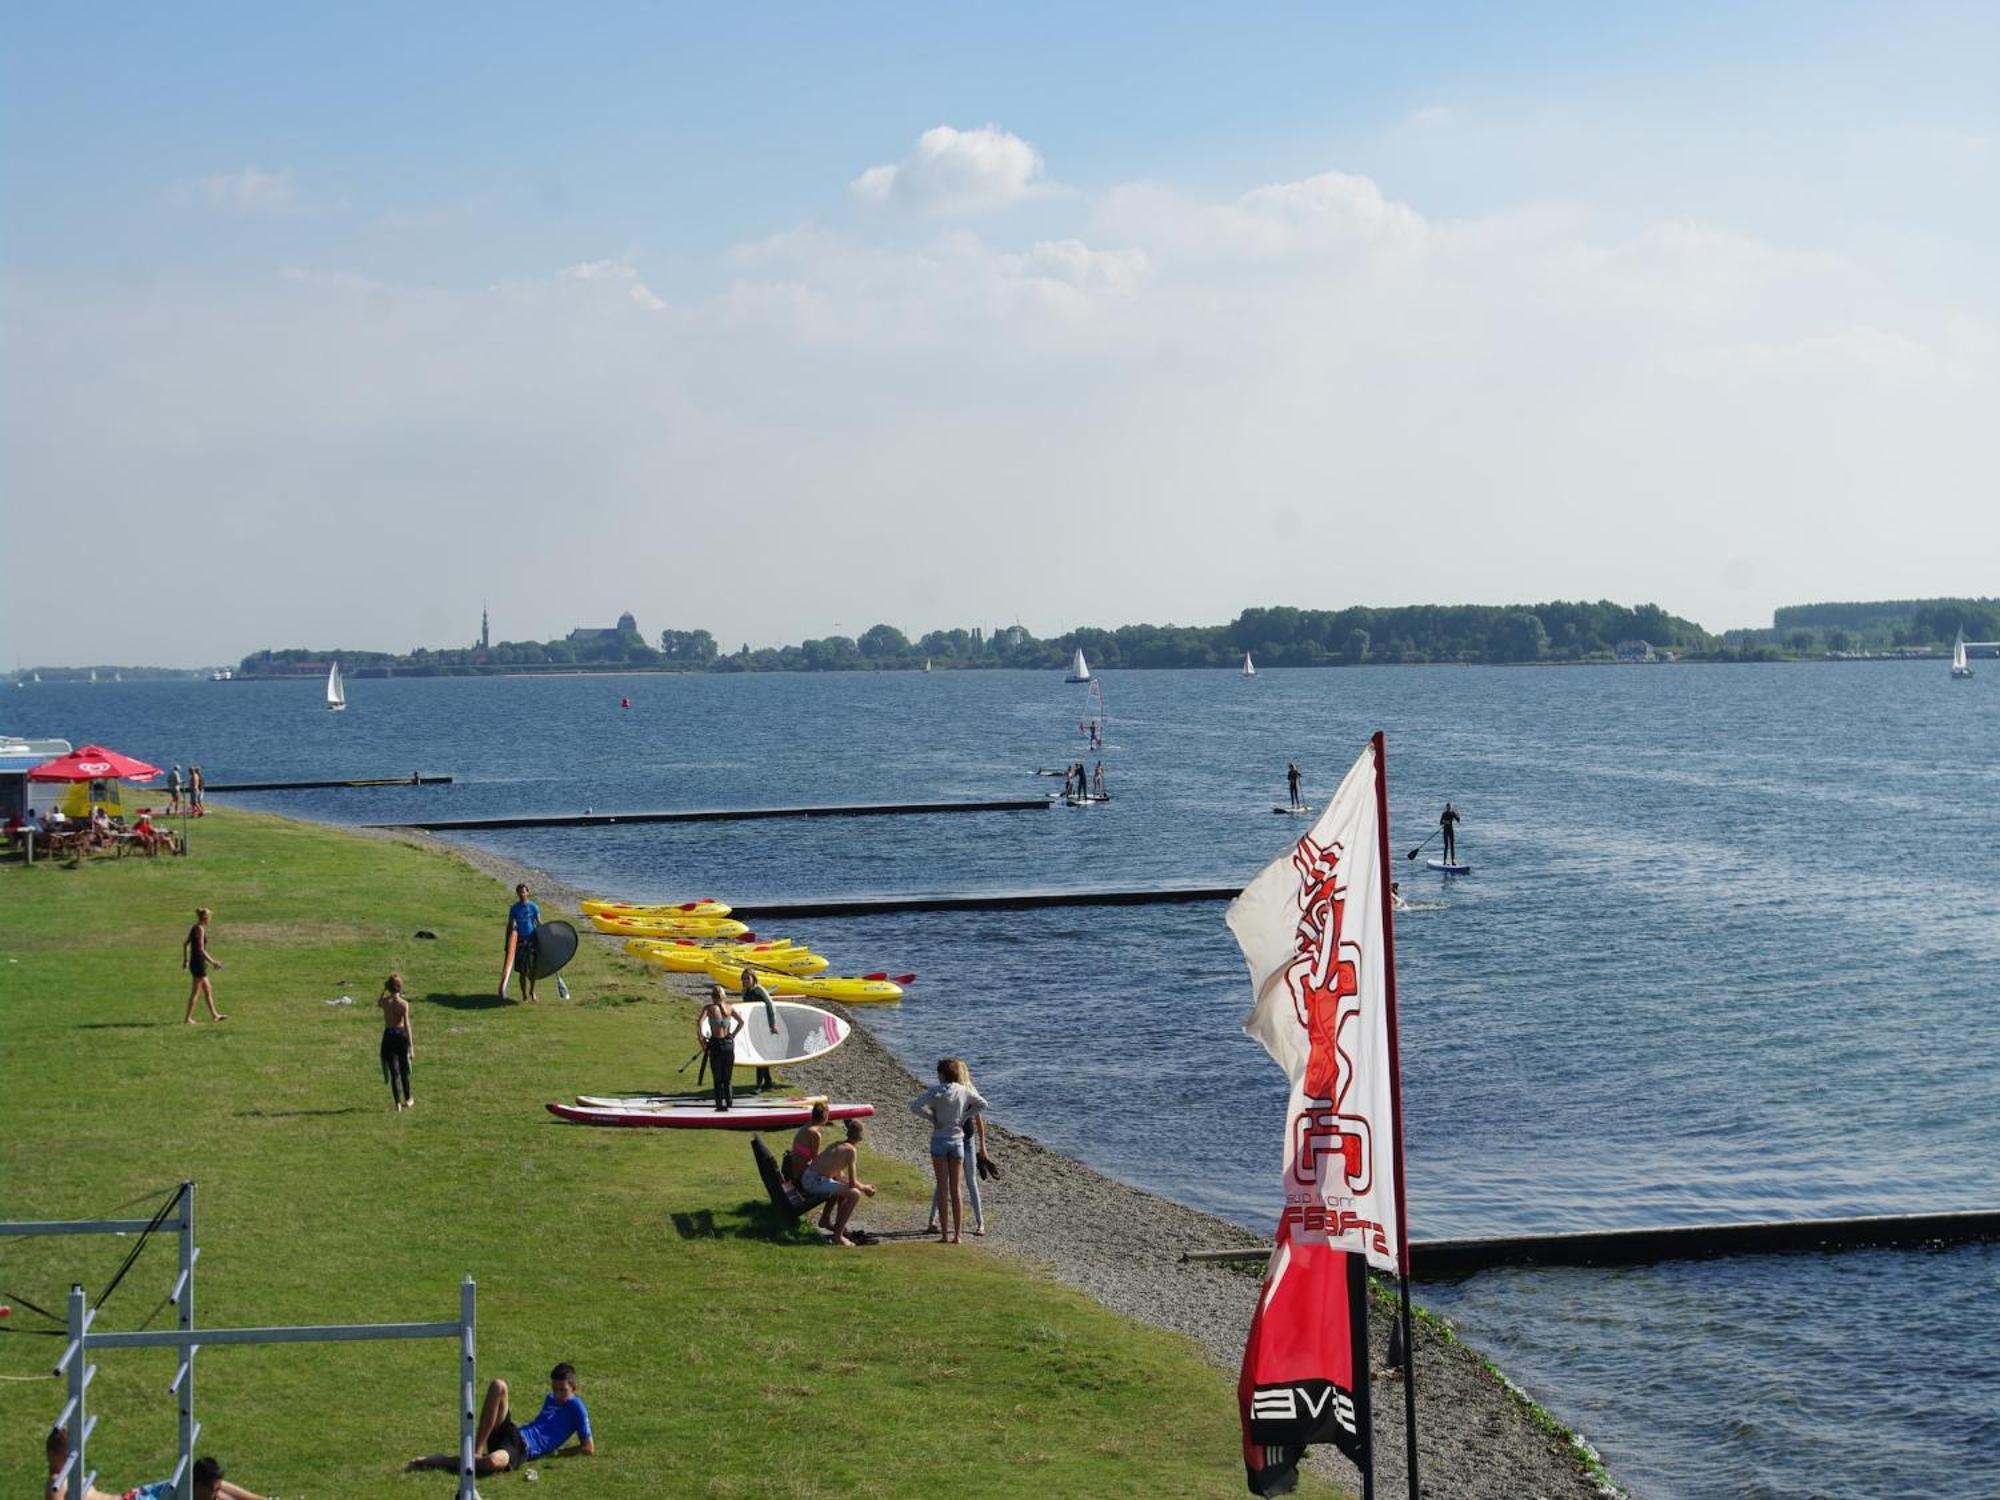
x=716 y=1358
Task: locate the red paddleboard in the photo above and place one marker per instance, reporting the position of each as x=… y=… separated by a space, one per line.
x=694 y=1116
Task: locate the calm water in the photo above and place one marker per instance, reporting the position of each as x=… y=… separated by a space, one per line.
x=1730 y=951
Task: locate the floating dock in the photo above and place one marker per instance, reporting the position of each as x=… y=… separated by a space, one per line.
x=871 y=906
x=317 y=786
x=723 y=815
x=1437 y=1260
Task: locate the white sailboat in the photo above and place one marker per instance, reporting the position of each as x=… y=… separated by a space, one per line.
x=927 y=663
x=336 y=690
x=93 y=674
x=1079 y=670
x=1249 y=666
x=1960 y=667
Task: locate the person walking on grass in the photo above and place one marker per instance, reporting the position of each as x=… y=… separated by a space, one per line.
x=715 y=1028
x=399 y=1046
x=523 y=918
x=197 y=960
x=502 y=1447
x=948 y=1104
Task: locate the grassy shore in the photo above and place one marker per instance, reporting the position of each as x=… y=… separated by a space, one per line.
x=717 y=1359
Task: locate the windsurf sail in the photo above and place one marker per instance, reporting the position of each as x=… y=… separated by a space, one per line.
x=1091 y=725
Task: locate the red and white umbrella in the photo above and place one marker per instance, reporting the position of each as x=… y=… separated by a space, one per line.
x=94 y=763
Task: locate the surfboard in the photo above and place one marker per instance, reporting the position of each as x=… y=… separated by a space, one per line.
x=804 y=1032
x=749 y=1115
x=658 y=1102
x=1295 y=812
x=1442 y=867
x=507 y=967
x=555 y=946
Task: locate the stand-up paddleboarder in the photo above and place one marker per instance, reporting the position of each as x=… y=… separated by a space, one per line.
x=1097 y=783
x=523 y=917
x=1292 y=782
x=1449 y=820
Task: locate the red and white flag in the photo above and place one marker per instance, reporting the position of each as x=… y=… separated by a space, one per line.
x=1314 y=929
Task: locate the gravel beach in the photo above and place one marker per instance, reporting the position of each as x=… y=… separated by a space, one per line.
x=1478 y=1439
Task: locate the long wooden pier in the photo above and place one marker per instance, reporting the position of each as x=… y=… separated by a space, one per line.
x=870 y=906
x=315 y=786
x=723 y=815
x=1436 y=1260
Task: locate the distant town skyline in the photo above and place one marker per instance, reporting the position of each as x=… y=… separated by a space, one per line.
x=781 y=329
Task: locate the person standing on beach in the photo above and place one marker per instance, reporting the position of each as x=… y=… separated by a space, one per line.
x=715 y=1028
x=1448 y=820
x=523 y=917
x=1292 y=782
x=197 y=960
x=399 y=1046
x=977 y=1165
x=174 y=788
x=754 y=995
x=948 y=1104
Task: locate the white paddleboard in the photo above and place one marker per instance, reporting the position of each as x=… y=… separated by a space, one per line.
x=749 y=1115
x=1441 y=866
x=1295 y=812
x=803 y=1033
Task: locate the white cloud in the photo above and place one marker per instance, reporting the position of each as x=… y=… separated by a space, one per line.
x=954 y=171
x=251 y=191
x=617 y=273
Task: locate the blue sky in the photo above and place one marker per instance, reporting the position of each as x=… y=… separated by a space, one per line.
x=1721 y=267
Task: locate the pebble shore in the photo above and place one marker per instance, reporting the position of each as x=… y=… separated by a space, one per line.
x=1477 y=1438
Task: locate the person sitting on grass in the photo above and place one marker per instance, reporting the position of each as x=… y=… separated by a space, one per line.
x=502 y=1447
x=806 y=1145
x=208 y=1481
x=830 y=1176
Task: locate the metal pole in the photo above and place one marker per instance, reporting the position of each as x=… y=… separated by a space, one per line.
x=188 y=1427
x=79 y=1384
x=468 y=1386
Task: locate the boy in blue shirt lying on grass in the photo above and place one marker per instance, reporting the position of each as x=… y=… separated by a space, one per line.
x=501 y=1446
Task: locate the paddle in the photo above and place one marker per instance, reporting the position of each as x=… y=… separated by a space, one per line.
x=880 y=974
x=1420 y=848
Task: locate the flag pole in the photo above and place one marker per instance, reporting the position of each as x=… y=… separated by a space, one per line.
x=1396 y=1109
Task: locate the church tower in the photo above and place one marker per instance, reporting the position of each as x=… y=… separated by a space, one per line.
x=485 y=632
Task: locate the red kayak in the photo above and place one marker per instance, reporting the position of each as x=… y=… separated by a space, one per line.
x=746 y=1116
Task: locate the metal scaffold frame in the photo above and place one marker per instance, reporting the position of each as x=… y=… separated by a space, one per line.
x=76 y=1478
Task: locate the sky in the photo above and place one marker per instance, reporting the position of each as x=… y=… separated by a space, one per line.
x=326 y=327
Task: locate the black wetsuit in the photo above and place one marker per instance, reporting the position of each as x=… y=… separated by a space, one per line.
x=1292 y=783
x=722 y=1067
x=396 y=1062
x=1448 y=821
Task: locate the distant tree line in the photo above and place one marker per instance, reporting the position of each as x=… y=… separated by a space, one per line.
x=1923 y=625
x=1281 y=636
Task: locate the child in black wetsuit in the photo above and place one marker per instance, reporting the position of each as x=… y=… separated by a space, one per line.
x=398 y=1046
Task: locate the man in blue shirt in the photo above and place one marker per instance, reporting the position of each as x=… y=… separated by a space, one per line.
x=501 y=1446
x=523 y=917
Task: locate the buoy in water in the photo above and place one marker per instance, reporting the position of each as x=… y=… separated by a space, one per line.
x=624 y=702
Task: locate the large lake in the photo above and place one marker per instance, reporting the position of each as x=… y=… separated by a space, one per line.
x=1730 y=951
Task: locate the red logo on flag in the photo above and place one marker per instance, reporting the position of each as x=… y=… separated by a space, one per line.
x=1325 y=993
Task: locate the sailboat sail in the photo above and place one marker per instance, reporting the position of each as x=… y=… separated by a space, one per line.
x=336 y=690
x=1249 y=666
x=1959 y=666
x=1079 y=670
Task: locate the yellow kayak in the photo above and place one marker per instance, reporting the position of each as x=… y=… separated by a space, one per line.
x=690 y=958
x=847 y=991
x=704 y=908
x=688 y=927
